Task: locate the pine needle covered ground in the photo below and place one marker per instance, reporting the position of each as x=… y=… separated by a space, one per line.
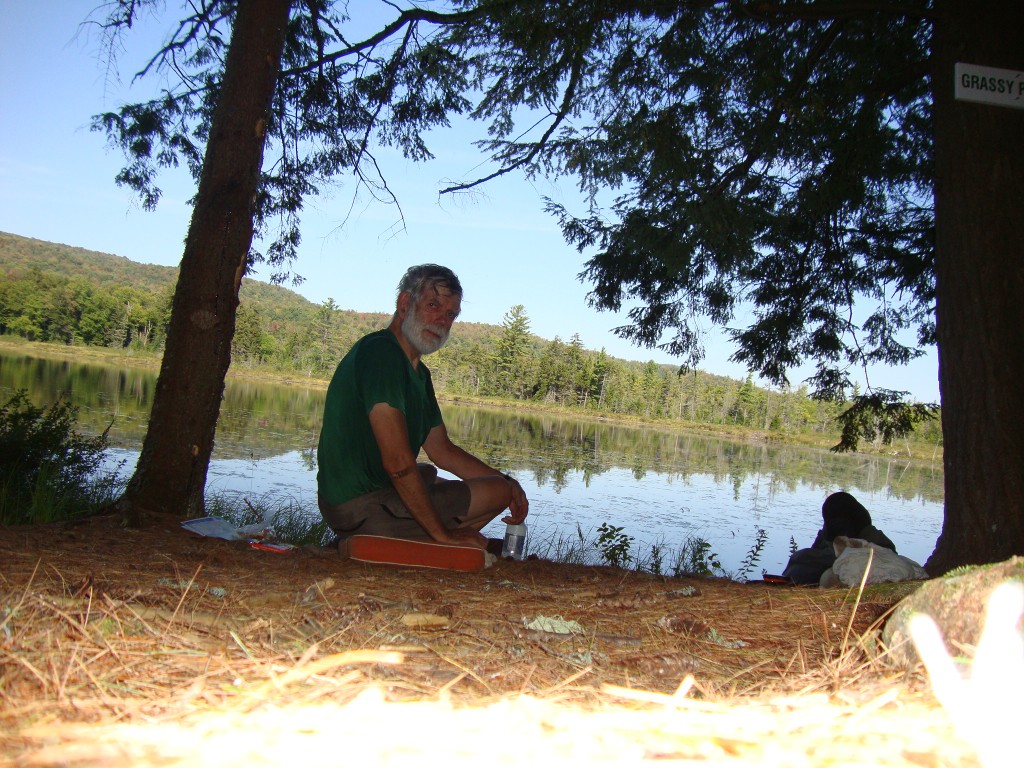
x=154 y=647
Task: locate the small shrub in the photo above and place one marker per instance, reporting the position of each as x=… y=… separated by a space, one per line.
x=614 y=545
x=695 y=558
x=656 y=561
x=754 y=554
x=46 y=467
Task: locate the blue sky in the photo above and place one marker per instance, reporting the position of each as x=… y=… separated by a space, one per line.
x=56 y=183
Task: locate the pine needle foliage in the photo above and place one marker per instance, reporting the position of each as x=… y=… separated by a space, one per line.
x=46 y=467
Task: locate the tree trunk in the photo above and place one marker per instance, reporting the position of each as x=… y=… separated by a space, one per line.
x=171 y=474
x=979 y=189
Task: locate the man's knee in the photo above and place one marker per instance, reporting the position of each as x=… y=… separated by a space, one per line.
x=489 y=497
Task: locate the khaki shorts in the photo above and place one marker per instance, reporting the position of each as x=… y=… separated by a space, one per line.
x=383 y=513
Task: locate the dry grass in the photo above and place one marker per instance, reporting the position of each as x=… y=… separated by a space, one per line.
x=151 y=647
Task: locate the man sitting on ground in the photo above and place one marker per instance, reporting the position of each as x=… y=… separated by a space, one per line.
x=842 y=515
x=380 y=410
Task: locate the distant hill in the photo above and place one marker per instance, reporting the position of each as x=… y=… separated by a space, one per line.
x=20 y=254
x=277 y=304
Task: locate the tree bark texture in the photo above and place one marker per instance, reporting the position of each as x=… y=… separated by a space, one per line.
x=171 y=473
x=979 y=195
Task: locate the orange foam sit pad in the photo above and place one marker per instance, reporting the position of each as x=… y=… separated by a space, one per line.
x=418 y=554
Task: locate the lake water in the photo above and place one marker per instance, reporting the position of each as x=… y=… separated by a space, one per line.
x=660 y=486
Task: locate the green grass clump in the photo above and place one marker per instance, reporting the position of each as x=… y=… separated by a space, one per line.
x=610 y=545
x=284 y=518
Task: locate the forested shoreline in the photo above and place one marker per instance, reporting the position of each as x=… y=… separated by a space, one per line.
x=63 y=295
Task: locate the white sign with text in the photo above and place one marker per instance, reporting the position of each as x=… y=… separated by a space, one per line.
x=989 y=85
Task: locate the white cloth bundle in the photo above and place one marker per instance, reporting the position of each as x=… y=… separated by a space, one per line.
x=855 y=556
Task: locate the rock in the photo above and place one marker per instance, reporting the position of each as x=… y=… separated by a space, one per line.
x=956 y=602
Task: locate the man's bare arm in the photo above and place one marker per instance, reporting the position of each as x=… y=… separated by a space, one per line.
x=460 y=462
x=389 y=429
x=452 y=458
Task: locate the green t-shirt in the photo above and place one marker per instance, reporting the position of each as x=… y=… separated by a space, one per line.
x=375 y=370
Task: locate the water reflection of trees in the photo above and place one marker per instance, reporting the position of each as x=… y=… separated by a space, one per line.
x=552 y=449
x=256 y=419
x=260 y=419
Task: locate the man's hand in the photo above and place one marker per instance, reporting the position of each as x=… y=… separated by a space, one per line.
x=519 y=506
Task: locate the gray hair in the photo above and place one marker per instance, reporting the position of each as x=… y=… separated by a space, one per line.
x=417 y=279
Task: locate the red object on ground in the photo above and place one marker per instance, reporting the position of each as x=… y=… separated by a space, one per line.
x=418 y=554
x=268 y=546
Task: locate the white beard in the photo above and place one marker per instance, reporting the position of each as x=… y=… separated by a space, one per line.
x=413 y=327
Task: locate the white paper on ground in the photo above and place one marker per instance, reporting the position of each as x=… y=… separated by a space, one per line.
x=212 y=527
